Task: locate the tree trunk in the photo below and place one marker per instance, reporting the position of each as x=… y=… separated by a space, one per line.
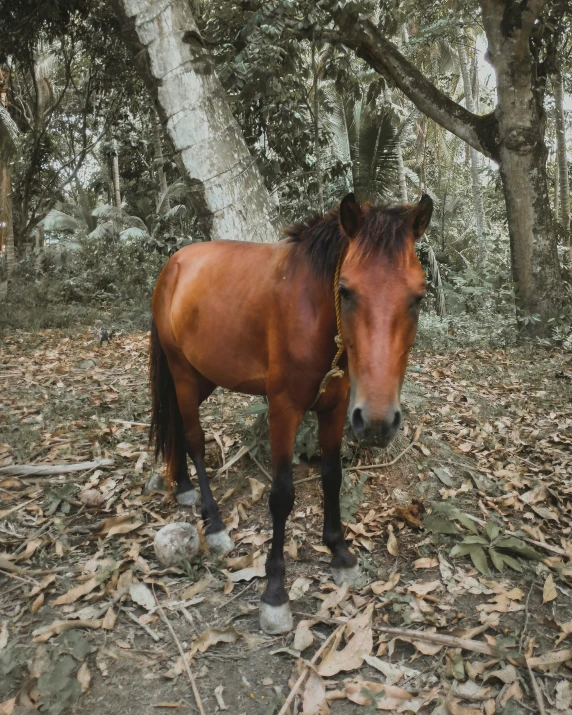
x=228 y=192
x=115 y=177
x=401 y=175
x=6 y=223
x=316 y=113
x=523 y=156
x=556 y=191
x=159 y=158
x=475 y=168
x=513 y=135
x=561 y=155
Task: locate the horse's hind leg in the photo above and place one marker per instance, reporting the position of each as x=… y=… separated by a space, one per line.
x=331 y=429
x=192 y=389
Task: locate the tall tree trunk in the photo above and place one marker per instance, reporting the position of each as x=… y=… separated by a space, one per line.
x=523 y=156
x=316 y=117
x=6 y=222
x=561 y=155
x=475 y=168
x=401 y=175
x=556 y=191
x=512 y=135
x=115 y=177
x=158 y=148
x=228 y=192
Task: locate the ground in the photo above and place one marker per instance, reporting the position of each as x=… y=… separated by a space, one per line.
x=490 y=462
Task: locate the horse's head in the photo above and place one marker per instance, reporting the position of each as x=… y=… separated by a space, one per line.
x=381 y=288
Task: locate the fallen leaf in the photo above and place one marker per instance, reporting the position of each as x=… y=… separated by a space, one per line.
x=75 y=593
x=211 y=637
x=469 y=690
x=392 y=545
x=424 y=587
x=109 y=619
x=299 y=587
x=199 y=587
x=550 y=658
x=314 y=701
x=333 y=599
x=454 y=707
x=507 y=675
x=219 y=699
x=393 y=672
x=386 y=697
x=352 y=655
x=549 y=590
x=4 y=635
x=57 y=627
x=303 y=636
x=425 y=563
x=37 y=603
x=379 y=587
x=563 y=699
x=8 y=706
x=257 y=570
x=257 y=490
x=566 y=630
x=142 y=595
x=84 y=677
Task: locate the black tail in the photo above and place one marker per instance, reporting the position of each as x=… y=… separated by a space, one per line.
x=167 y=429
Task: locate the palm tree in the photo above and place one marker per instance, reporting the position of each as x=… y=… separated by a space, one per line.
x=8 y=135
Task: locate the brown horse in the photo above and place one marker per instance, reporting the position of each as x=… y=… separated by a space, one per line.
x=261 y=319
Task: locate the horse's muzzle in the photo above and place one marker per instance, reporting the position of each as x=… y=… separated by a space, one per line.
x=380 y=430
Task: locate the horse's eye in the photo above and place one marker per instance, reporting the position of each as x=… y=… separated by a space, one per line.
x=416 y=302
x=345 y=293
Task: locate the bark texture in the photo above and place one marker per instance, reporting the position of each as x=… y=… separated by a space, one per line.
x=561 y=155
x=115 y=177
x=228 y=192
x=475 y=168
x=7 y=148
x=159 y=158
x=523 y=156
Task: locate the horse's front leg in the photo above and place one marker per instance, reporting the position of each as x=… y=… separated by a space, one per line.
x=275 y=615
x=344 y=563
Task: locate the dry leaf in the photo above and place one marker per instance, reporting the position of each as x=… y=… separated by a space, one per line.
x=549 y=590
x=72 y=595
x=507 y=675
x=550 y=658
x=314 y=701
x=54 y=629
x=211 y=637
x=292 y=549
x=303 y=636
x=194 y=590
x=352 y=655
x=333 y=600
x=379 y=587
x=84 y=677
x=299 y=587
x=109 y=619
x=141 y=594
x=566 y=629
x=424 y=587
x=386 y=697
x=4 y=635
x=257 y=570
x=8 y=706
x=392 y=546
x=564 y=696
x=454 y=707
x=37 y=604
x=469 y=690
x=228 y=587
x=425 y=563
x=218 y=695
x=257 y=490
x=393 y=672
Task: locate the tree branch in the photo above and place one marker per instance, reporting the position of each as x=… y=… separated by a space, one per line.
x=382 y=55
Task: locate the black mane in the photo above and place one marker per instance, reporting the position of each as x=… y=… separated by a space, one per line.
x=322 y=240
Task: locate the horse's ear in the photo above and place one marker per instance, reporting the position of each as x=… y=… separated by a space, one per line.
x=351 y=216
x=422 y=215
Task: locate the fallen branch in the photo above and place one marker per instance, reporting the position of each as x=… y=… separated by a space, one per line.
x=284 y=709
x=182 y=652
x=413 y=443
x=46 y=470
x=536 y=690
x=4 y=514
x=266 y=474
x=241 y=452
x=145 y=627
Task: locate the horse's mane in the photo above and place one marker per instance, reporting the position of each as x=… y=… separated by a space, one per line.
x=322 y=240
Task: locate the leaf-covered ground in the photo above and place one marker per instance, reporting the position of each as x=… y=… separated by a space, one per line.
x=467 y=534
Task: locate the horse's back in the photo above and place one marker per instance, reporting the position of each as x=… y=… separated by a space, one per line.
x=214 y=302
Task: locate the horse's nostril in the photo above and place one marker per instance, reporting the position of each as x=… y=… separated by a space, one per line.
x=396 y=419
x=358 y=421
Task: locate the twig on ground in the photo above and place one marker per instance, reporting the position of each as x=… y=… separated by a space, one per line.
x=218 y=440
x=266 y=474
x=241 y=452
x=182 y=653
x=29 y=581
x=526 y=614
x=413 y=443
x=23 y=546
x=118 y=596
x=46 y=470
x=306 y=670
x=16 y=508
x=155 y=636
x=536 y=690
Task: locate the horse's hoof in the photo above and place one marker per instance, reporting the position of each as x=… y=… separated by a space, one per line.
x=353 y=576
x=188 y=498
x=275 y=620
x=220 y=543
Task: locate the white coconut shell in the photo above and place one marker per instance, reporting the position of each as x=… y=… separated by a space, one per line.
x=176 y=543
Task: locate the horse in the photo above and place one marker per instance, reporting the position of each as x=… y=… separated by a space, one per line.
x=322 y=320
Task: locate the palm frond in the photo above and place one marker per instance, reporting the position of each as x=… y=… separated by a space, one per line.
x=8 y=133
x=59 y=221
x=133 y=233
x=178 y=211
x=177 y=190
x=108 y=212
x=106 y=229
x=436 y=279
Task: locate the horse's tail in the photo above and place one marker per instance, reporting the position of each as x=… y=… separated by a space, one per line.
x=167 y=429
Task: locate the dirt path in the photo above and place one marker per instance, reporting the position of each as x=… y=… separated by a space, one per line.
x=495 y=447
